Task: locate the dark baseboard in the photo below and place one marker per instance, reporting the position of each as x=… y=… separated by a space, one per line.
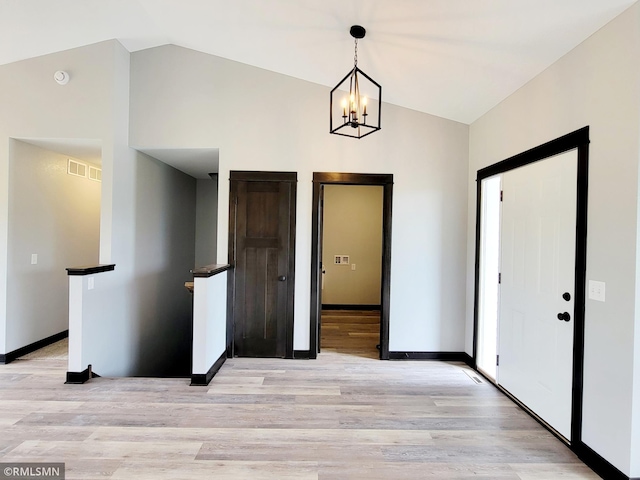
x=468 y=359
x=340 y=306
x=589 y=456
x=598 y=464
x=203 y=379
x=302 y=354
x=446 y=356
x=20 y=352
x=78 y=378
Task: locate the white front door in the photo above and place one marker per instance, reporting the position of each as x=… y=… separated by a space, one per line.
x=537 y=269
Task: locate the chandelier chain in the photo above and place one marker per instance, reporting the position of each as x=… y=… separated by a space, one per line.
x=355 y=56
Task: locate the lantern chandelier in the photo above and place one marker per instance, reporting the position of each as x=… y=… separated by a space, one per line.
x=356 y=102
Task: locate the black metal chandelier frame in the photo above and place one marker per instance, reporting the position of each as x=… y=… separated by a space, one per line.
x=353 y=121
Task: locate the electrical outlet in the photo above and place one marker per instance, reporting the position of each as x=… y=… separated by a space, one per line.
x=34 y=259
x=596 y=290
x=90 y=283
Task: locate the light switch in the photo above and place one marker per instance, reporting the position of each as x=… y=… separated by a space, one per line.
x=353 y=266
x=596 y=290
x=90 y=283
x=34 y=259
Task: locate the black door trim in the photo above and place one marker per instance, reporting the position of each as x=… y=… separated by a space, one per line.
x=576 y=140
x=254 y=176
x=333 y=178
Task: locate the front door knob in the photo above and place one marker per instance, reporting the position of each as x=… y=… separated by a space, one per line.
x=282 y=278
x=564 y=316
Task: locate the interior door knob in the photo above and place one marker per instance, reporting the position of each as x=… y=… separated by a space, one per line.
x=566 y=296
x=564 y=316
x=282 y=278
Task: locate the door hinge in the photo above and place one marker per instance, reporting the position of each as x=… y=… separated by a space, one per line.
x=498 y=360
x=501 y=195
x=500 y=278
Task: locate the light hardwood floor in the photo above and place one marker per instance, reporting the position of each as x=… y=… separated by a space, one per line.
x=344 y=415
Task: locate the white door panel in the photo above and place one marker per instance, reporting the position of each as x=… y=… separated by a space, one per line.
x=538 y=267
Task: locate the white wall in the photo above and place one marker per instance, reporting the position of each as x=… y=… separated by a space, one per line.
x=89 y=334
x=35 y=106
x=635 y=425
x=266 y=121
x=352 y=226
x=206 y=222
x=209 y=321
x=597 y=84
x=133 y=321
x=76 y=290
x=56 y=216
x=635 y=421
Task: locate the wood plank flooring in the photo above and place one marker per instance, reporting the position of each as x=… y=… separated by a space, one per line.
x=345 y=415
x=351 y=332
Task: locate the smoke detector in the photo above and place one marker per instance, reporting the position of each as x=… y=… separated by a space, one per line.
x=61 y=77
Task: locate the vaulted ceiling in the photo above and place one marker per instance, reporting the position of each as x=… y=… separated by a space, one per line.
x=452 y=58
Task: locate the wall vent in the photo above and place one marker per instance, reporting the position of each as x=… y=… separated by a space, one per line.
x=76 y=168
x=95 y=174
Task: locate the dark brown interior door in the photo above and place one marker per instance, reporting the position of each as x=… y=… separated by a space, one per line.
x=264 y=253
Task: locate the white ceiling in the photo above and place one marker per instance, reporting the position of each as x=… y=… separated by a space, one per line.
x=197 y=162
x=85 y=149
x=452 y=58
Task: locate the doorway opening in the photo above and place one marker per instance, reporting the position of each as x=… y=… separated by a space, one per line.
x=345 y=265
x=531 y=229
x=54 y=213
x=351 y=268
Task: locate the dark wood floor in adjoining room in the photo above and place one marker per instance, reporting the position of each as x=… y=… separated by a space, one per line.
x=345 y=415
x=351 y=332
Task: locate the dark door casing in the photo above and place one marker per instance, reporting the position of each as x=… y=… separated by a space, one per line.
x=579 y=140
x=262 y=249
x=334 y=178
